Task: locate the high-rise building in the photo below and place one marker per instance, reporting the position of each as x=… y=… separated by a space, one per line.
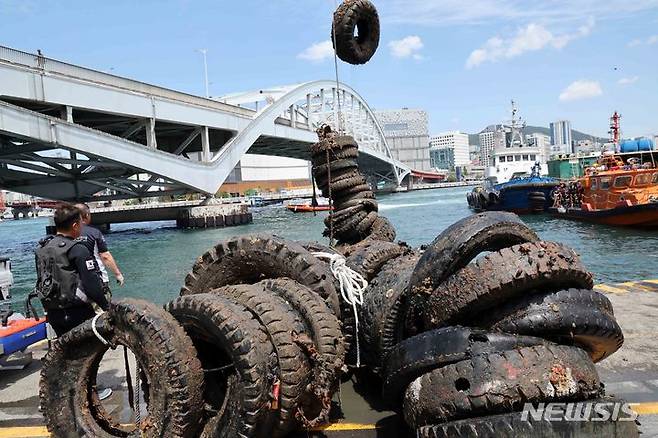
x=407 y=135
x=487 y=147
x=561 y=137
x=456 y=141
x=443 y=158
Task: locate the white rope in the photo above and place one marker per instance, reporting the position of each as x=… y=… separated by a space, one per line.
x=95 y=330
x=352 y=286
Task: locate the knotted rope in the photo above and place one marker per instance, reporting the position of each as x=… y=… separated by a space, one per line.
x=352 y=287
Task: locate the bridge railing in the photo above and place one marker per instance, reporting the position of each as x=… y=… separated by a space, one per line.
x=48 y=65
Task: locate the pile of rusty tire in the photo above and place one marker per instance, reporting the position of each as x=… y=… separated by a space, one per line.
x=263 y=314
x=462 y=339
x=336 y=173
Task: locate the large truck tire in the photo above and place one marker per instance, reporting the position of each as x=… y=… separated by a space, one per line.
x=495 y=279
x=250 y=259
x=227 y=336
x=355 y=31
x=423 y=353
x=281 y=323
x=460 y=243
x=323 y=325
x=563 y=318
x=595 y=418
x=167 y=359
x=500 y=382
x=368 y=258
x=379 y=317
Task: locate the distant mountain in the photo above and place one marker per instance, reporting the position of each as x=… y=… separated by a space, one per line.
x=474 y=139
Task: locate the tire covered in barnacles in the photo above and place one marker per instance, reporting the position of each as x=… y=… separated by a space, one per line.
x=167 y=360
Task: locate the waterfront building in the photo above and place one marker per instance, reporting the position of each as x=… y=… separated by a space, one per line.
x=561 y=137
x=407 y=134
x=456 y=141
x=443 y=158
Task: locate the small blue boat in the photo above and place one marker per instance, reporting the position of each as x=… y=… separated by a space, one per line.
x=521 y=195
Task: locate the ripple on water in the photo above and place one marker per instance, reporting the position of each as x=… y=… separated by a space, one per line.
x=156 y=256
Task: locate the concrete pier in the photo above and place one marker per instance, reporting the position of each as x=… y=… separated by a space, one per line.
x=207 y=214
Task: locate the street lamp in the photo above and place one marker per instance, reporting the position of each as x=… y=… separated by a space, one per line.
x=204 y=52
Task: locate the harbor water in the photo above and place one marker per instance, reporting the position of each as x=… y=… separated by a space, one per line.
x=155 y=257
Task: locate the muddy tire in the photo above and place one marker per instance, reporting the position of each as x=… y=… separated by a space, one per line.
x=250 y=259
x=281 y=323
x=369 y=258
x=368 y=204
x=317 y=247
x=460 y=243
x=578 y=317
x=166 y=356
x=337 y=186
x=382 y=229
x=379 y=317
x=328 y=349
x=341 y=204
x=423 y=353
x=497 y=278
x=352 y=17
x=591 y=424
x=322 y=170
x=499 y=383
x=323 y=326
x=226 y=334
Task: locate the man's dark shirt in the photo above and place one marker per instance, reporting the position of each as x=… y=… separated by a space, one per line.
x=97 y=245
x=90 y=279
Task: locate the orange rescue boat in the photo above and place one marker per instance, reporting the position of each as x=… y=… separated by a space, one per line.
x=613 y=193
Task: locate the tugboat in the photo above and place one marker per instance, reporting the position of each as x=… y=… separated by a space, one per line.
x=612 y=192
x=522 y=194
x=17 y=332
x=509 y=186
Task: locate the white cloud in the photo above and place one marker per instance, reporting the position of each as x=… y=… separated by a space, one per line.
x=318 y=52
x=628 y=81
x=582 y=89
x=650 y=41
x=407 y=47
x=531 y=38
x=451 y=12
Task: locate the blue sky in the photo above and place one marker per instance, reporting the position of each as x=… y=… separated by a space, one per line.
x=462 y=61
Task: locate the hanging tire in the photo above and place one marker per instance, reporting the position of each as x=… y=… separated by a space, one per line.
x=579 y=317
x=167 y=358
x=322 y=170
x=595 y=418
x=226 y=334
x=423 y=353
x=460 y=243
x=379 y=316
x=250 y=259
x=351 y=18
x=500 y=382
x=369 y=258
x=282 y=324
x=497 y=278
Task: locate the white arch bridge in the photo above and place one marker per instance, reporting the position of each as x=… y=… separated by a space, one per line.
x=71 y=133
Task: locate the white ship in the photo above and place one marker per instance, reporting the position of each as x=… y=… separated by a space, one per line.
x=514 y=158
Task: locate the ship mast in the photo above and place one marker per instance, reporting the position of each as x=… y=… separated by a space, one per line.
x=615 y=129
x=517 y=126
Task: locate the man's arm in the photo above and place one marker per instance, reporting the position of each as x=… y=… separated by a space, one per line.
x=89 y=278
x=110 y=263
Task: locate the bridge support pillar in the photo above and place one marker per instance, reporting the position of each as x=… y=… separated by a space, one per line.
x=151 y=140
x=205 y=144
x=214 y=216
